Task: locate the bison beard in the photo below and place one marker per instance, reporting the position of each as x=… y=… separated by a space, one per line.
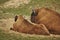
x=49 y=18
x=23 y=26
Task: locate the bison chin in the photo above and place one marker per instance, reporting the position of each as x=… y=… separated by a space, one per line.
x=32 y=19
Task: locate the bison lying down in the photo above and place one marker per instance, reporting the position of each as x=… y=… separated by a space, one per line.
x=23 y=26
x=49 y=18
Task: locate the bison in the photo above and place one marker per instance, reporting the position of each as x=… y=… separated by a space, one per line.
x=48 y=17
x=23 y=26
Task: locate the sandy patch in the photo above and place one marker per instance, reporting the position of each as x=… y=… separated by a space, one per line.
x=15 y=3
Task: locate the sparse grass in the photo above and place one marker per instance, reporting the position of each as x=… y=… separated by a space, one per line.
x=3 y=1
x=26 y=10
x=9 y=35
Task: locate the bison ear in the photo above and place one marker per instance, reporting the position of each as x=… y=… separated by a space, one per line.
x=34 y=13
x=16 y=17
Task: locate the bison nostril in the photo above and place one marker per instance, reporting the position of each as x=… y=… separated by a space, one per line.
x=11 y=28
x=16 y=18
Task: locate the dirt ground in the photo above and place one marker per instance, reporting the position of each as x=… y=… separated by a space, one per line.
x=6 y=23
x=15 y=3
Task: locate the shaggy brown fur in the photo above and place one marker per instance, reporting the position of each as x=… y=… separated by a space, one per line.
x=47 y=17
x=22 y=25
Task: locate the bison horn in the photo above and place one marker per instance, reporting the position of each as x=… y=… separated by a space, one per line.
x=34 y=13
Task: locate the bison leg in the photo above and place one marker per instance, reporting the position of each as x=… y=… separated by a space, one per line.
x=43 y=27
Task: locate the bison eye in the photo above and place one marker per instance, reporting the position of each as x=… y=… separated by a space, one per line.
x=16 y=17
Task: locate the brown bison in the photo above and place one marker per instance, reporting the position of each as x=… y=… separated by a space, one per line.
x=23 y=26
x=49 y=18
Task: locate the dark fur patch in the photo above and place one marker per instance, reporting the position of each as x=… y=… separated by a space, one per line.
x=34 y=13
x=16 y=17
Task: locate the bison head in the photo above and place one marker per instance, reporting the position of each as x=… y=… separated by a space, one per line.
x=34 y=14
x=19 y=18
x=39 y=14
